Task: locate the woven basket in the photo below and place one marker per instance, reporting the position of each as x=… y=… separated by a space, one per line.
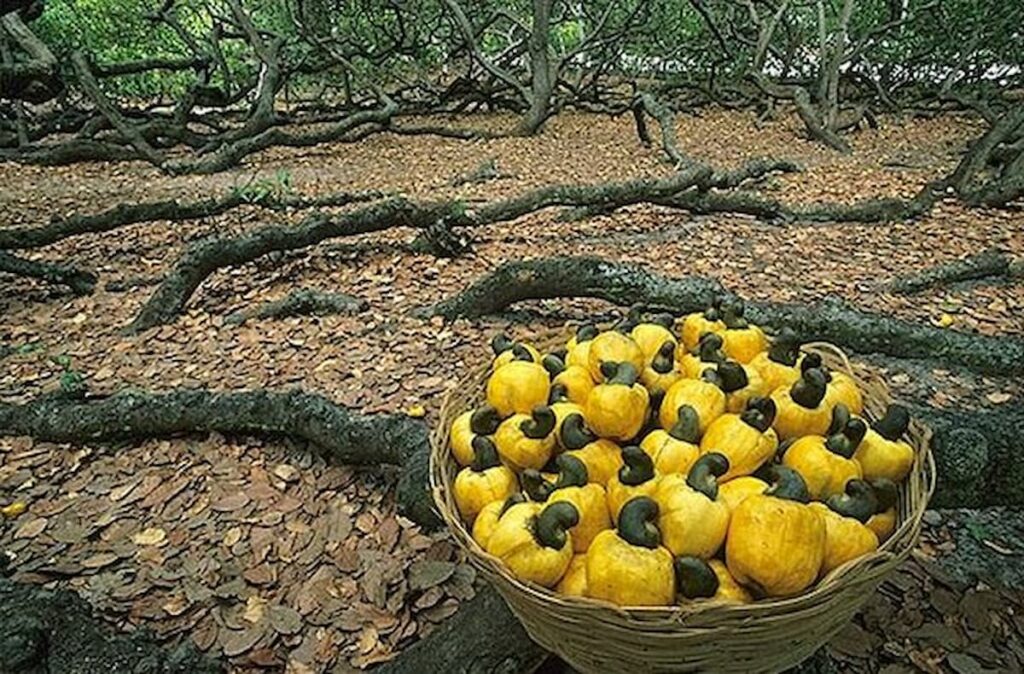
x=765 y=636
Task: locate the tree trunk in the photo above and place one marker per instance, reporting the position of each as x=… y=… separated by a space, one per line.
x=542 y=79
x=110 y=111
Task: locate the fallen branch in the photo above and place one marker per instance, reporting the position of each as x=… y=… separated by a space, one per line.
x=342 y=435
x=80 y=281
x=70 y=152
x=829 y=320
x=485 y=171
x=986 y=264
x=171 y=210
x=303 y=302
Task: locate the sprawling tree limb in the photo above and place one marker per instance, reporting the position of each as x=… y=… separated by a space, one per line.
x=36 y=79
x=684 y=189
x=92 y=88
x=49 y=631
x=70 y=152
x=986 y=264
x=204 y=257
x=647 y=103
x=483 y=636
x=830 y=320
x=810 y=116
x=342 y=435
x=80 y=281
x=992 y=171
x=171 y=210
x=302 y=302
x=234 y=152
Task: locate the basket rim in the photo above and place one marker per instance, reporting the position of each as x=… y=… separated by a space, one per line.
x=855 y=572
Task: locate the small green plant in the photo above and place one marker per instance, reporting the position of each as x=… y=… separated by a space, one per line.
x=257 y=190
x=72 y=382
x=28 y=347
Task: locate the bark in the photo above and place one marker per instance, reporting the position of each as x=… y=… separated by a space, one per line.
x=88 y=82
x=48 y=631
x=482 y=637
x=36 y=79
x=829 y=320
x=986 y=264
x=303 y=302
x=233 y=153
x=80 y=281
x=171 y=210
x=343 y=436
x=542 y=77
x=206 y=256
x=977 y=453
x=71 y=152
x=647 y=103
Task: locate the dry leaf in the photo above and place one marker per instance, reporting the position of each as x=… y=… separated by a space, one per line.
x=99 y=560
x=150 y=536
x=255 y=609
x=233 y=535
x=31 y=529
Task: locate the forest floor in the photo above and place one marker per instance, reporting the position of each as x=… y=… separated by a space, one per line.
x=264 y=554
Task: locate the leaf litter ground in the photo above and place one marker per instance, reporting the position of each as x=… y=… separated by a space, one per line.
x=265 y=555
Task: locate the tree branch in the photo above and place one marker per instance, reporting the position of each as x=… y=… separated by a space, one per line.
x=80 y=281
x=830 y=320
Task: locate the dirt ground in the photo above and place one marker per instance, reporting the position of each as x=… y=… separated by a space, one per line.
x=259 y=552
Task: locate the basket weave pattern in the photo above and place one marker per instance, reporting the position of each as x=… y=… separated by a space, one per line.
x=766 y=636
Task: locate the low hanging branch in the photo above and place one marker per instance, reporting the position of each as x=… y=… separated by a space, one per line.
x=171 y=210
x=830 y=320
x=342 y=435
x=986 y=264
x=80 y=281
